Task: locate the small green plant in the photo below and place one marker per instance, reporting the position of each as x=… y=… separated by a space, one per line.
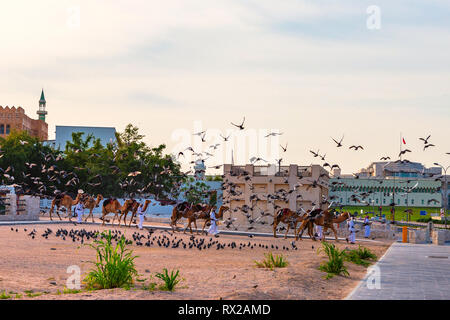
x=272 y=262
x=115 y=265
x=70 y=291
x=150 y=287
x=365 y=253
x=360 y=256
x=19 y=296
x=4 y=295
x=170 y=281
x=335 y=264
x=32 y=294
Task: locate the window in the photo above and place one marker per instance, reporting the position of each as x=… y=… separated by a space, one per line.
x=377 y=201
x=412 y=201
x=8 y=127
x=2 y=129
x=406 y=201
x=422 y=201
x=384 y=201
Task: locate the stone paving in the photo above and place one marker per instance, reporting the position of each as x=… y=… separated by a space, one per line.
x=409 y=272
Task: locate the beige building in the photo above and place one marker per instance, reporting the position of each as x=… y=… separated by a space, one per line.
x=251 y=191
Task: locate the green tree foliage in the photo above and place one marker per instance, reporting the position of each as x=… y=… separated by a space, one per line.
x=127 y=167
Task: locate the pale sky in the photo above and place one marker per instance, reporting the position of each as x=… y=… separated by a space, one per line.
x=309 y=69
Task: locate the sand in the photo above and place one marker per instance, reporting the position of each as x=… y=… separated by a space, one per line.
x=40 y=265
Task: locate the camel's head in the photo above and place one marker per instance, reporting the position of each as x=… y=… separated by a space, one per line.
x=346 y=215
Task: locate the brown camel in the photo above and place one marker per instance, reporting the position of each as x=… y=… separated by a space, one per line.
x=288 y=217
x=114 y=206
x=134 y=210
x=66 y=201
x=90 y=203
x=203 y=213
x=326 y=220
x=179 y=211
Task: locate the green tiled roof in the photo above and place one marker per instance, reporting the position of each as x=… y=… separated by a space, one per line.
x=42 y=99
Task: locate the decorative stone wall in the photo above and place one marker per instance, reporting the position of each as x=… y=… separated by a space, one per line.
x=29 y=204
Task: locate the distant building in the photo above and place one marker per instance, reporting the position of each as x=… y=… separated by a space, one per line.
x=405 y=192
x=402 y=170
x=257 y=187
x=64 y=134
x=15 y=119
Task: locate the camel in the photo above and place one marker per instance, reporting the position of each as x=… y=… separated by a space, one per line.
x=114 y=206
x=90 y=203
x=66 y=201
x=203 y=213
x=134 y=210
x=179 y=211
x=326 y=220
x=288 y=217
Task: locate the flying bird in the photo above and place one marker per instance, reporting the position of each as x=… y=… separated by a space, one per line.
x=425 y=140
x=356 y=147
x=240 y=126
x=339 y=144
x=403 y=152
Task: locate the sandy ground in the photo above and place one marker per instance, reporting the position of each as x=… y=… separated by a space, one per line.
x=40 y=265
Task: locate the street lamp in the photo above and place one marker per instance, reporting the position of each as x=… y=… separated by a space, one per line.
x=444 y=191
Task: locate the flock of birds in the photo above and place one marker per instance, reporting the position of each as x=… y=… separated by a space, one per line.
x=253 y=213
x=153 y=238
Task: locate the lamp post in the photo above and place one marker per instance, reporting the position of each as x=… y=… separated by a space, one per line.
x=444 y=191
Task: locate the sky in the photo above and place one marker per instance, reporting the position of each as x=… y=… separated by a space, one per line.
x=309 y=69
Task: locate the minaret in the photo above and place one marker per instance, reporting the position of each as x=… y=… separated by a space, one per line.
x=41 y=112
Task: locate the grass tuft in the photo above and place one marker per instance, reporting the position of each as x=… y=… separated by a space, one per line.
x=271 y=262
x=115 y=265
x=170 y=281
x=335 y=264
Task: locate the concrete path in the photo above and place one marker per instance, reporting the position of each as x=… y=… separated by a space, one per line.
x=408 y=272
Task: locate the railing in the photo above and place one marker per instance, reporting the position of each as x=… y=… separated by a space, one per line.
x=236 y=170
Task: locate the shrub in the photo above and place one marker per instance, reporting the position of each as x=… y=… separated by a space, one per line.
x=335 y=264
x=360 y=255
x=272 y=262
x=4 y=295
x=115 y=265
x=170 y=281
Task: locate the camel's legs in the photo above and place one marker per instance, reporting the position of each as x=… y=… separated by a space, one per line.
x=275 y=225
x=195 y=224
x=301 y=229
x=204 y=225
x=287 y=230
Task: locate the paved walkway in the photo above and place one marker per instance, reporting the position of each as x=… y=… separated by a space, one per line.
x=409 y=272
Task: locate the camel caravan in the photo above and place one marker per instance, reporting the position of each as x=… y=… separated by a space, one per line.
x=298 y=221
x=307 y=220
x=109 y=206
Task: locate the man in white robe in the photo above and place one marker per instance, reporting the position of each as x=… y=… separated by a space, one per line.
x=366 y=227
x=351 y=228
x=79 y=210
x=141 y=215
x=213 y=228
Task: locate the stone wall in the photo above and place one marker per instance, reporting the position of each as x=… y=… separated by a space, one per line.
x=26 y=208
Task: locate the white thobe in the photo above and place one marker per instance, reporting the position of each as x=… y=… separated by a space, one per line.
x=79 y=209
x=351 y=229
x=366 y=228
x=141 y=217
x=213 y=228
